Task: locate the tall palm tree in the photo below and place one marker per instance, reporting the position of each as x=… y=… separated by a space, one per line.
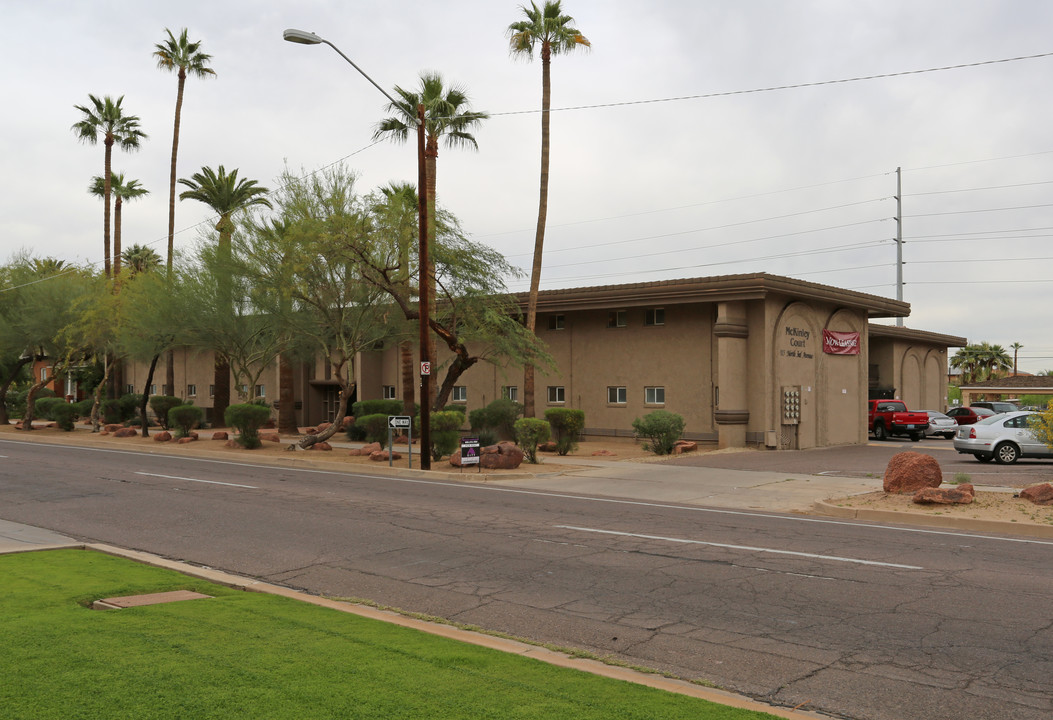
x=106 y=119
x=186 y=58
x=1016 y=347
x=447 y=117
x=121 y=191
x=141 y=258
x=225 y=194
x=550 y=29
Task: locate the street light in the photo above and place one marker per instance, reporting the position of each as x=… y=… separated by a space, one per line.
x=303 y=37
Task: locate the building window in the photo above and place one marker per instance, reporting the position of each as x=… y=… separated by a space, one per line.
x=130 y=388
x=389 y=392
x=616 y=318
x=43 y=374
x=261 y=391
x=153 y=390
x=616 y=395
x=212 y=391
x=655 y=316
x=191 y=390
x=557 y=322
x=510 y=392
x=460 y=393
x=243 y=389
x=556 y=394
x=654 y=395
x=164 y=389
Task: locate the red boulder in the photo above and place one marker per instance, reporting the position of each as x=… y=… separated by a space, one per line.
x=1038 y=494
x=908 y=472
x=961 y=495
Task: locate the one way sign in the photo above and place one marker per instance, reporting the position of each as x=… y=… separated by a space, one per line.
x=398 y=422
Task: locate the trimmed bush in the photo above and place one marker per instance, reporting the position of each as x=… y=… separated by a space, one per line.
x=64 y=415
x=445 y=435
x=42 y=407
x=567 y=424
x=110 y=412
x=376 y=407
x=499 y=417
x=373 y=428
x=184 y=418
x=531 y=432
x=129 y=406
x=459 y=408
x=161 y=404
x=661 y=429
x=247 y=419
x=83 y=407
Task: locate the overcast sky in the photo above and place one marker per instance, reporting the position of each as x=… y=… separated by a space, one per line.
x=797 y=182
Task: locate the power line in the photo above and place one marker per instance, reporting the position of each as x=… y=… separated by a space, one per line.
x=781 y=87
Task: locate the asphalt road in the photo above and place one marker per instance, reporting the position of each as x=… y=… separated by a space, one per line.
x=870 y=460
x=856 y=620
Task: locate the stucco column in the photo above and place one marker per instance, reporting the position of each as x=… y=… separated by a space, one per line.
x=732 y=413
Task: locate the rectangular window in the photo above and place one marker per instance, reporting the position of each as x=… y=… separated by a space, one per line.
x=130 y=389
x=43 y=374
x=510 y=392
x=654 y=395
x=243 y=389
x=616 y=318
x=556 y=394
x=191 y=390
x=616 y=395
x=164 y=388
x=153 y=389
x=212 y=391
x=460 y=393
x=557 y=322
x=389 y=392
x=655 y=316
x=261 y=391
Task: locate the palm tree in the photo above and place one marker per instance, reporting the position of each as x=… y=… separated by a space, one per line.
x=121 y=191
x=185 y=58
x=225 y=194
x=106 y=118
x=140 y=258
x=446 y=116
x=553 y=31
x=1016 y=347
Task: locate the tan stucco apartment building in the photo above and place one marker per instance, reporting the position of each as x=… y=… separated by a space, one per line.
x=748 y=360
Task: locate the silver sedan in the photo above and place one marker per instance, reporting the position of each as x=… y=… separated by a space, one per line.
x=940 y=424
x=1005 y=438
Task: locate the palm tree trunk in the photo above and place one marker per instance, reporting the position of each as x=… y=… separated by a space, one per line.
x=117 y=236
x=539 y=238
x=430 y=161
x=170 y=365
x=106 y=191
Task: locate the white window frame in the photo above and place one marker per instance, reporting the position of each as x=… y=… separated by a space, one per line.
x=389 y=392
x=654 y=317
x=510 y=392
x=260 y=391
x=654 y=395
x=459 y=394
x=617 y=318
x=617 y=395
x=557 y=322
x=191 y=390
x=557 y=395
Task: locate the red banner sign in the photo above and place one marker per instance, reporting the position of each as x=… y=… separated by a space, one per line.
x=840 y=343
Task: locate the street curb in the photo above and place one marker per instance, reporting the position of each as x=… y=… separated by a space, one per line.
x=825 y=508
x=515 y=647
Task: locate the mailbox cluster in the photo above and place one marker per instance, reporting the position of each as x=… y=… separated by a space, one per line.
x=791 y=405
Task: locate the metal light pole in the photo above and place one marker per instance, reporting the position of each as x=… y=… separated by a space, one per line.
x=424 y=293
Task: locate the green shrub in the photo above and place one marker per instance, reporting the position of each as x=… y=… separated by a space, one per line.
x=111 y=412
x=567 y=424
x=445 y=434
x=247 y=419
x=42 y=407
x=184 y=418
x=376 y=407
x=499 y=417
x=458 y=408
x=161 y=404
x=83 y=407
x=128 y=405
x=530 y=432
x=64 y=415
x=486 y=437
x=661 y=428
x=373 y=428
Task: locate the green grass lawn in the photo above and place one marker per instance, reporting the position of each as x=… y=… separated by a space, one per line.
x=250 y=655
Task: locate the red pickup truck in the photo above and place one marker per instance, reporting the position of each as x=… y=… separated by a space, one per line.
x=891 y=417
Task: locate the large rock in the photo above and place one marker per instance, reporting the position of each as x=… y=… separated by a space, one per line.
x=163 y=436
x=549 y=446
x=502 y=456
x=220 y=435
x=112 y=427
x=270 y=437
x=1038 y=494
x=961 y=495
x=683 y=446
x=366 y=451
x=126 y=432
x=380 y=455
x=323 y=445
x=908 y=472
x=187 y=439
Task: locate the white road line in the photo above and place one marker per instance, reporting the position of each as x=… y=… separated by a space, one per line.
x=749 y=548
x=210 y=482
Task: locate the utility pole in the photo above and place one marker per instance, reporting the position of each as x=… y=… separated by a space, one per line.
x=899 y=240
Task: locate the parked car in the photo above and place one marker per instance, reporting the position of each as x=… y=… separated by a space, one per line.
x=997 y=406
x=941 y=424
x=969 y=415
x=1006 y=438
x=891 y=417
